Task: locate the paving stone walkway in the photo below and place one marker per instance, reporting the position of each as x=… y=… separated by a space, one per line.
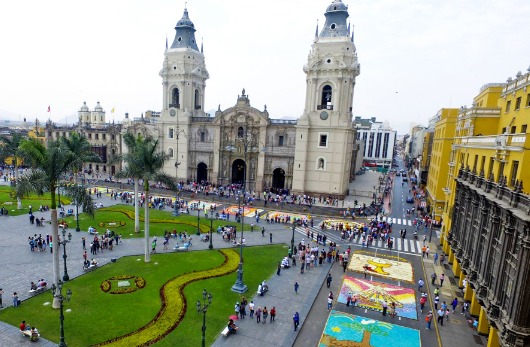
x=282 y=296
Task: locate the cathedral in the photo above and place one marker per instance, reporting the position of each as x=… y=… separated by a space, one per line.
x=243 y=144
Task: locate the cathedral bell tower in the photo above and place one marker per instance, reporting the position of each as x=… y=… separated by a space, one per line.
x=325 y=132
x=184 y=78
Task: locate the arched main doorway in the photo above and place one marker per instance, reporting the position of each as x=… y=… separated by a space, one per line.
x=202 y=173
x=278 y=178
x=238 y=171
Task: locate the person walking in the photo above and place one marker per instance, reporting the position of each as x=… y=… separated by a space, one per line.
x=279 y=269
x=242 y=309
x=15 y=299
x=296 y=320
x=423 y=250
x=428 y=319
x=435 y=258
x=265 y=313
x=237 y=309
x=427 y=251
x=465 y=306
x=385 y=307
x=263 y=232
x=330 y=302
x=424 y=239
x=420 y=284
x=273 y=313
x=251 y=308
x=270 y=238
x=441 y=317
x=442 y=278
x=433 y=278
x=85 y=256
x=436 y=301
x=258 y=315
x=328 y=280
x=296 y=286
x=454 y=304
x=422 y=302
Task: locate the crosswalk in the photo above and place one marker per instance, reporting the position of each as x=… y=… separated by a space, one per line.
x=398 y=221
x=410 y=246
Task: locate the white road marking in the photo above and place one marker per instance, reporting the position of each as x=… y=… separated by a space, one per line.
x=406 y=247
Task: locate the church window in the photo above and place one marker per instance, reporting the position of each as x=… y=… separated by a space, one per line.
x=170 y=133
x=197 y=100
x=174 y=67
x=97 y=136
x=280 y=141
x=175 y=99
x=104 y=136
x=179 y=39
x=329 y=61
x=113 y=136
x=170 y=152
x=240 y=132
x=333 y=26
x=90 y=136
x=322 y=140
x=326 y=96
x=203 y=135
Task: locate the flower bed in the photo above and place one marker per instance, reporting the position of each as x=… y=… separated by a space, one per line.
x=174 y=305
x=130 y=215
x=112 y=224
x=140 y=282
x=105 y=286
x=124 y=290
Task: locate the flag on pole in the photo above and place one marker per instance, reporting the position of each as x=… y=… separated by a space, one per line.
x=48 y=108
x=112 y=110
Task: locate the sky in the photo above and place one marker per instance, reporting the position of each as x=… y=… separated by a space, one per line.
x=416 y=56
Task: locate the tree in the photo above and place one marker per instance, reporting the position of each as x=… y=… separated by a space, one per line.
x=10 y=147
x=151 y=161
x=80 y=148
x=132 y=170
x=49 y=163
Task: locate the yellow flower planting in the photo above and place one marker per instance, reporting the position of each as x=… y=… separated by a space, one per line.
x=173 y=305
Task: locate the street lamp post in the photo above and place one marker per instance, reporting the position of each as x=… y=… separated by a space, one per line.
x=64 y=242
x=176 y=212
x=211 y=230
x=432 y=222
x=203 y=308
x=57 y=293
x=292 y=240
x=198 y=219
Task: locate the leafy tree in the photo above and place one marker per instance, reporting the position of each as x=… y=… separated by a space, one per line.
x=49 y=163
x=80 y=150
x=10 y=148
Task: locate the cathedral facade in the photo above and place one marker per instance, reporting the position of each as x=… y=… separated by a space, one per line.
x=242 y=144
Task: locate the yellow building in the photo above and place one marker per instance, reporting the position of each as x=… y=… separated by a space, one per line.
x=444 y=133
x=485 y=214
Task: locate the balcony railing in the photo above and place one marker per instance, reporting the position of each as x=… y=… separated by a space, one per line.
x=174 y=105
x=283 y=121
x=197 y=107
x=202 y=119
x=325 y=107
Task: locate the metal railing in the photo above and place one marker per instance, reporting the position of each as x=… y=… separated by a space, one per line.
x=325 y=107
x=284 y=121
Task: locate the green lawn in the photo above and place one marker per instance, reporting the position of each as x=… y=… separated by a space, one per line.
x=8 y=201
x=156 y=226
x=97 y=316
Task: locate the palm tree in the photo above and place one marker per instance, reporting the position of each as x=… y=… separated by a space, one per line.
x=151 y=161
x=79 y=146
x=10 y=147
x=49 y=164
x=131 y=170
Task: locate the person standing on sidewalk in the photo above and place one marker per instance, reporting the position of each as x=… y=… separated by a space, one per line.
x=441 y=317
x=435 y=256
x=270 y=238
x=296 y=320
x=433 y=278
x=454 y=304
x=427 y=251
x=442 y=278
x=423 y=250
x=296 y=286
x=279 y=269
x=436 y=301
x=258 y=315
x=273 y=313
x=424 y=239
x=251 y=308
x=428 y=319
x=328 y=280
x=330 y=302
x=265 y=314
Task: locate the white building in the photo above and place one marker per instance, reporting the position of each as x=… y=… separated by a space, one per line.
x=379 y=141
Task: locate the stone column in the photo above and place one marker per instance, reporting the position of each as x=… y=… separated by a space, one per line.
x=493 y=338
x=461 y=281
x=483 y=324
x=457 y=270
x=451 y=256
x=474 y=309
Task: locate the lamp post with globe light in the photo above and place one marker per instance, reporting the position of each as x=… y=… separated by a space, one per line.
x=206 y=302
x=57 y=294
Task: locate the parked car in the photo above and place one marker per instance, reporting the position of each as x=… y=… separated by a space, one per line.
x=398 y=173
x=405 y=179
x=409 y=199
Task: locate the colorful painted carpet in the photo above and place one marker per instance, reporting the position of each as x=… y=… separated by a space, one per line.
x=386 y=266
x=371 y=295
x=346 y=330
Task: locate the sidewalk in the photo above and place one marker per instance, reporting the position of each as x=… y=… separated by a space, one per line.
x=282 y=296
x=458 y=331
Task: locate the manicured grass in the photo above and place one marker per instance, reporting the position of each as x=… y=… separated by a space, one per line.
x=97 y=316
x=155 y=228
x=33 y=200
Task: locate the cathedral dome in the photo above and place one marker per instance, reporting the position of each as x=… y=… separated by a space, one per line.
x=185 y=21
x=98 y=108
x=84 y=108
x=337 y=5
x=185 y=33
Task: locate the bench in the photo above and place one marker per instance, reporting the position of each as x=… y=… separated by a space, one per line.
x=225 y=332
x=38 y=290
x=183 y=248
x=28 y=333
x=90 y=268
x=239 y=244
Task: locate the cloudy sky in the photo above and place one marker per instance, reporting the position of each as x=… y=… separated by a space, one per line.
x=416 y=56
